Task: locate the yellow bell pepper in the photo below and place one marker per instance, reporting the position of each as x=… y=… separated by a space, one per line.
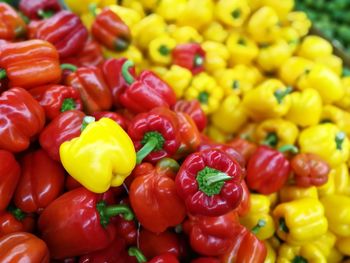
x=291 y=70
x=306 y=108
x=270 y=99
x=325 y=243
x=170 y=9
x=185 y=34
x=159 y=70
x=273 y=199
x=134 y=5
x=290 y=35
x=291 y=192
x=276 y=132
x=159 y=49
x=230 y=116
x=282 y=8
x=343 y=245
x=329 y=187
x=272 y=56
x=102 y=156
x=344 y=102
x=264 y=25
x=337 y=210
x=205 y=89
x=148 y=4
x=78 y=8
x=271 y=253
x=215 y=32
x=341 y=179
x=242 y=49
x=333 y=62
x=197 y=14
x=337 y=116
x=255 y=4
x=218 y=135
x=178 y=78
x=324 y=80
x=106 y=3
x=259 y=210
x=313 y=47
x=299 y=21
x=89 y=18
x=132 y=53
x=295 y=254
x=327 y=141
x=129 y=16
x=232 y=13
x=216 y=56
x=300 y=221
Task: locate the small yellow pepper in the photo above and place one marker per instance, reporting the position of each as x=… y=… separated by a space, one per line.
x=216 y=56
x=159 y=49
x=343 y=245
x=290 y=35
x=299 y=21
x=341 y=179
x=102 y=156
x=129 y=16
x=215 y=32
x=218 y=135
x=327 y=141
x=242 y=49
x=197 y=14
x=344 y=102
x=313 y=47
x=159 y=70
x=78 y=8
x=255 y=4
x=291 y=70
x=271 y=253
x=272 y=56
x=325 y=243
x=270 y=99
x=232 y=13
x=134 y=5
x=337 y=116
x=178 y=78
x=291 y=192
x=132 y=53
x=305 y=253
x=306 y=108
x=148 y=4
x=185 y=34
x=170 y=9
x=300 y=221
x=282 y=8
x=329 y=187
x=333 y=62
x=230 y=116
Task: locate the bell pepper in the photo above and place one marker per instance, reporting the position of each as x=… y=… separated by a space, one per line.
x=306 y=108
x=93 y=90
x=12 y=25
x=178 y=78
x=282 y=8
x=326 y=244
x=20 y=61
x=333 y=62
x=197 y=14
x=205 y=260
x=268 y=169
x=185 y=34
x=194 y=110
x=128 y=15
x=190 y=56
x=337 y=116
x=341 y=179
x=153 y=196
x=39 y=9
x=292 y=192
x=259 y=210
x=300 y=221
x=244 y=147
x=218 y=135
x=276 y=132
x=276 y=101
x=327 y=141
x=164 y=258
x=9 y=174
x=209 y=183
x=41 y=182
x=243 y=50
x=118 y=118
x=22 y=246
x=160 y=49
x=343 y=245
x=14 y=220
x=64 y=127
x=215 y=32
x=146 y=92
x=244 y=206
x=21 y=118
x=216 y=56
x=110 y=30
x=293 y=68
x=232 y=13
x=290 y=35
x=78 y=8
x=56 y=99
x=313 y=47
x=103 y=142
x=170 y=14
x=344 y=102
x=329 y=187
x=305 y=253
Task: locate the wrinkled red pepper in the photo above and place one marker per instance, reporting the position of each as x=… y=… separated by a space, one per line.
x=118 y=118
x=190 y=56
x=210 y=183
x=12 y=25
x=36 y=9
x=244 y=147
x=15 y=220
x=145 y=92
x=21 y=119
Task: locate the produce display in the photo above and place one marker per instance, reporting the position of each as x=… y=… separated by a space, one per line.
x=199 y=131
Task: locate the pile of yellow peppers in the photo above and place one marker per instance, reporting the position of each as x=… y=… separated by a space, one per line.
x=263 y=74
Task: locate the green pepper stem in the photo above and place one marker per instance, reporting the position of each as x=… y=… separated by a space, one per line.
x=203 y=97
x=299 y=259
x=198 y=60
x=3 y=74
x=106 y=212
x=261 y=223
x=280 y=94
x=151 y=141
x=271 y=139
x=210 y=181
x=16 y=212
x=45 y=14
x=339 y=138
x=70 y=67
x=86 y=121
x=121 y=44
x=164 y=50
x=125 y=72
x=135 y=252
x=288 y=147
x=283 y=225
x=236 y=13
x=213 y=178
x=68 y=104
x=92 y=9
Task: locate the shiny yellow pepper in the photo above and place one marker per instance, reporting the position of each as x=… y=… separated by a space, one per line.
x=148 y=4
x=333 y=62
x=101 y=157
x=300 y=254
x=242 y=49
x=232 y=13
x=170 y=9
x=78 y=8
x=134 y=5
x=271 y=253
x=216 y=56
x=300 y=221
x=178 y=78
x=325 y=244
x=290 y=35
x=299 y=21
x=343 y=245
x=341 y=179
x=185 y=34
x=344 y=102
x=313 y=47
x=270 y=99
x=218 y=135
x=291 y=70
x=337 y=116
x=291 y=192
x=282 y=8
x=327 y=141
x=132 y=53
x=160 y=48
x=129 y=16
x=215 y=32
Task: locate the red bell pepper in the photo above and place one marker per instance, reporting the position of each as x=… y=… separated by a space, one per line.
x=93 y=90
x=77 y=223
x=56 y=99
x=70 y=183
x=64 y=127
x=21 y=119
x=309 y=169
x=244 y=147
x=155 y=134
x=190 y=56
x=65 y=31
x=9 y=176
x=205 y=260
x=267 y=170
x=212 y=236
x=12 y=25
x=118 y=118
x=23 y=247
x=194 y=109
x=244 y=206
x=15 y=220
x=110 y=30
x=36 y=9
x=210 y=183
x=146 y=92
x=91 y=55
x=153 y=196
x=164 y=258
x=41 y=182
x=29 y=64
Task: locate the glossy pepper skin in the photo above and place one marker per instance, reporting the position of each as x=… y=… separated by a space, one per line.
x=64 y=127
x=15 y=220
x=34 y=9
x=244 y=147
x=118 y=118
x=267 y=170
x=153 y=196
x=110 y=30
x=210 y=183
x=23 y=60
x=205 y=260
x=146 y=92
x=190 y=56
x=9 y=176
x=71 y=36
x=22 y=246
x=41 y=182
x=165 y=258
x=56 y=99
x=77 y=223
x=306 y=253
x=21 y=118
x=12 y=25
x=92 y=87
